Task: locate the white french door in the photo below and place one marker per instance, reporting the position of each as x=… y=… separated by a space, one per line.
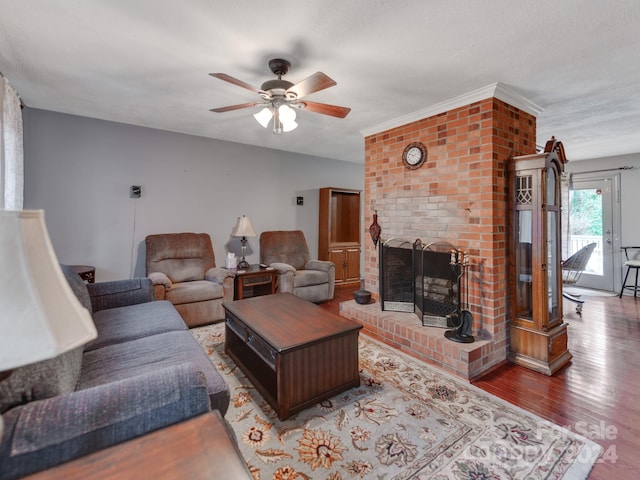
x=593 y=212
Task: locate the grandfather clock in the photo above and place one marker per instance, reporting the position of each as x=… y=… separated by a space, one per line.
x=538 y=334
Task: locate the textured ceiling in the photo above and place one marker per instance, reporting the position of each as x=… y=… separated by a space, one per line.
x=146 y=62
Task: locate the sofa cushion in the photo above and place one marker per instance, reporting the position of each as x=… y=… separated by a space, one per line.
x=41 y=380
x=48 y=432
x=117 y=325
x=136 y=357
x=191 y=292
x=120 y=293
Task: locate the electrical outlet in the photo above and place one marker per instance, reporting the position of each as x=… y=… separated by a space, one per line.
x=135 y=191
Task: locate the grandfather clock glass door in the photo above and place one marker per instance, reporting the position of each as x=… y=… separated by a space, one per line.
x=523 y=251
x=538 y=336
x=552 y=211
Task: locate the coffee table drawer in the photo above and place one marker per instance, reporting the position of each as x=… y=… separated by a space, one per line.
x=262 y=348
x=265 y=351
x=238 y=327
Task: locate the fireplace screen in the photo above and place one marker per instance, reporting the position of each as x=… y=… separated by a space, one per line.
x=437 y=270
x=419 y=278
x=396 y=275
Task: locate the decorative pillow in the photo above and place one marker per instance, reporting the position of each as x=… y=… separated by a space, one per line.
x=40 y=380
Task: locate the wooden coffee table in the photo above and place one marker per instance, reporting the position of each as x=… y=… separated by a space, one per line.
x=294 y=352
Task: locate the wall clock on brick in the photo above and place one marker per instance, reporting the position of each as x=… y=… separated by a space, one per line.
x=414 y=155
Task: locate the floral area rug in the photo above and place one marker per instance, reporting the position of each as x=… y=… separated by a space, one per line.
x=406 y=420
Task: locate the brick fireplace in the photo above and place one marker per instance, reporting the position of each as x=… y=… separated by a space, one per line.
x=458 y=196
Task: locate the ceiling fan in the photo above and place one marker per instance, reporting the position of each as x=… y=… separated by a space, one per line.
x=280 y=97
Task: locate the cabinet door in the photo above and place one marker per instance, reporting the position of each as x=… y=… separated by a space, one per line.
x=353 y=264
x=339 y=257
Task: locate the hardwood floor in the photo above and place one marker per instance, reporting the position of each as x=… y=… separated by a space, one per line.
x=596 y=394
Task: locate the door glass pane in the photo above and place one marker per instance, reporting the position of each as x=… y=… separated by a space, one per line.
x=585 y=225
x=524 y=305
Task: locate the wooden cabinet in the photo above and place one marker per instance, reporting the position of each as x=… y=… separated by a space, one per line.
x=347 y=262
x=538 y=335
x=339 y=232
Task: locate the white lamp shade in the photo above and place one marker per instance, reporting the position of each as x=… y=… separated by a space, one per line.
x=287 y=127
x=287 y=114
x=243 y=228
x=263 y=117
x=40 y=315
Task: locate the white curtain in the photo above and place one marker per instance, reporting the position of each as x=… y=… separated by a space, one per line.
x=11 y=148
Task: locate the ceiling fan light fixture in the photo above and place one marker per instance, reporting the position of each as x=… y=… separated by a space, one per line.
x=284 y=117
x=288 y=127
x=286 y=113
x=280 y=97
x=264 y=117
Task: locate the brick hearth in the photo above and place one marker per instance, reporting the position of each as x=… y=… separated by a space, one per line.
x=460 y=196
x=405 y=332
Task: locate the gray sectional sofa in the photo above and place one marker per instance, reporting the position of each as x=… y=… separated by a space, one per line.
x=143 y=372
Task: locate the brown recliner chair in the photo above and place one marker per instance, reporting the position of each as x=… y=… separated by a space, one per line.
x=182 y=268
x=288 y=253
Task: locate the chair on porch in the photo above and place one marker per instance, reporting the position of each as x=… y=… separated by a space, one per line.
x=572 y=268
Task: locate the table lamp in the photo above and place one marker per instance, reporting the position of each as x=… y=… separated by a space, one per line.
x=243 y=229
x=41 y=316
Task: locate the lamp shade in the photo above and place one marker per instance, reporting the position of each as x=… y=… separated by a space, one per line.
x=263 y=117
x=243 y=228
x=40 y=315
x=284 y=117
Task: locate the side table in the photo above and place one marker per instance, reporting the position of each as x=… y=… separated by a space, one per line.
x=255 y=281
x=86 y=272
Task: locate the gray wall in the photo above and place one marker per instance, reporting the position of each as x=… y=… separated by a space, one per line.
x=79 y=171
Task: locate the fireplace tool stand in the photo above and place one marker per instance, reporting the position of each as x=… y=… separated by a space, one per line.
x=462 y=332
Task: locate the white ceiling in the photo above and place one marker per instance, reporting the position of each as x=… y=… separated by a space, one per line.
x=146 y=62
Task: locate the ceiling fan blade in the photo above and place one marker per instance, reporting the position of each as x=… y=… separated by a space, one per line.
x=333 y=110
x=235 y=107
x=316 y=82
x=235 y=81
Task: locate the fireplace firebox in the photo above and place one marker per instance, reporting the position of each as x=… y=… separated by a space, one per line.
x=422 y=278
